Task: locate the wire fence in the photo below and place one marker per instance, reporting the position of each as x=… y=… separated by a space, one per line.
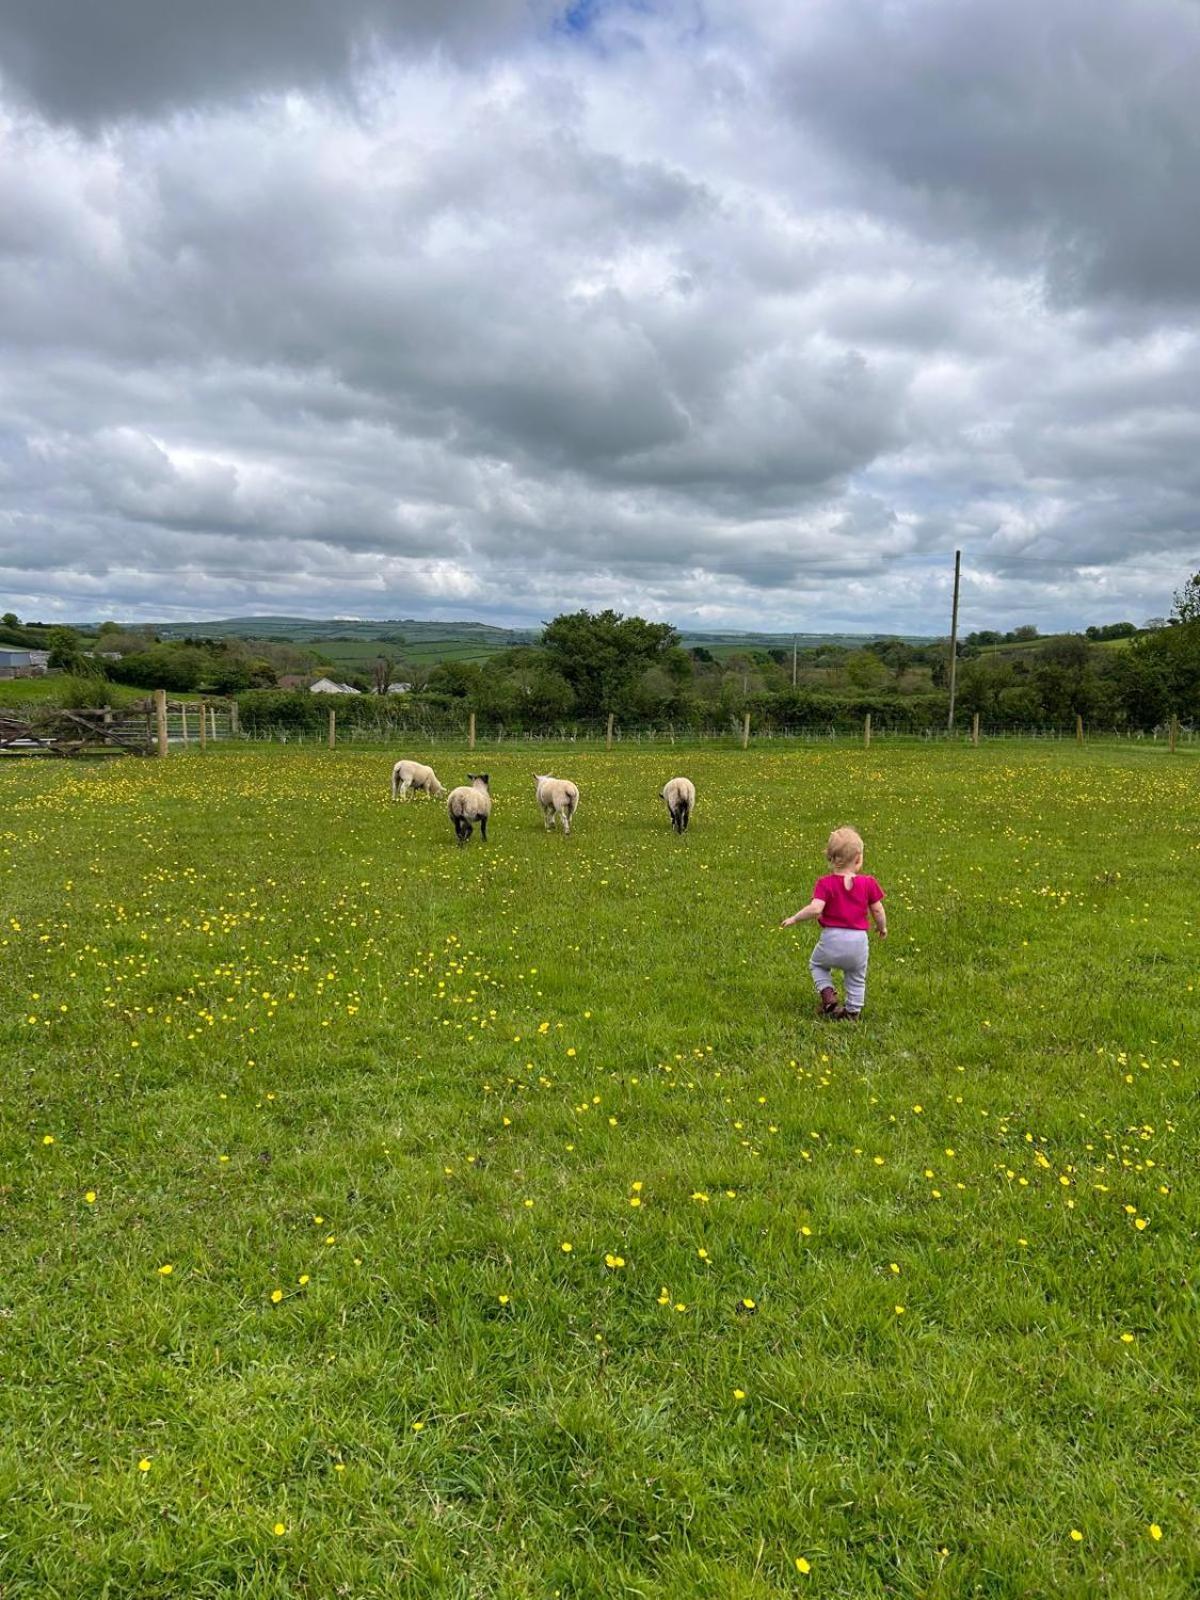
x=434 y=735
x=171 y=726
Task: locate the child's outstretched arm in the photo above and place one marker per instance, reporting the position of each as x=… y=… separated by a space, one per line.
x=806 y=913
x=879 y=917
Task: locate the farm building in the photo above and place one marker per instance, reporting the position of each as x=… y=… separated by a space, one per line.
x=327 y=686
x=19 y=663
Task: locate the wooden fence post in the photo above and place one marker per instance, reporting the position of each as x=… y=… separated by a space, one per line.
x=160 y=719
x=234 y=727
x=1174 y=733
x=183 y=721
x=608 y=732
x=975 y=728
x=746 y=731
x=471 y=731
x=332 y=727
x=203 y=727
x=867 y=731
x=1078 y=729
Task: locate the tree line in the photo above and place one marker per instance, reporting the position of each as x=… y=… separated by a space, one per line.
x=589 y=665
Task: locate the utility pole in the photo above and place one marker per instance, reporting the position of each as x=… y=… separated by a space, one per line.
x=793 y=661
x=954 y=639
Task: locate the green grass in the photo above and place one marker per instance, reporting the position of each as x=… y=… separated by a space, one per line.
x=360 y=655
x=37 y=692
x=281 y=1028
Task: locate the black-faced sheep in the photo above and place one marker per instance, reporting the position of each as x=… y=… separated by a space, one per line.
x=680 y=795
x=470 y=805
x=558 y=798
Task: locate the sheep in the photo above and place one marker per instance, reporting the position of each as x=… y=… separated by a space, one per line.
x=408 y=775
x=558 y=798
x=680 y=795
x=468 y=805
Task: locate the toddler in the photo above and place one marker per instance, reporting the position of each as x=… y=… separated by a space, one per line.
x=844 y=902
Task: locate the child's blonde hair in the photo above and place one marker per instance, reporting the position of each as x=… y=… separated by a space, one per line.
x=844 y=849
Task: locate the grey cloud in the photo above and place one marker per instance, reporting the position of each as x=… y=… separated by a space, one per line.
x=600 y=326
x=1067 y=136
x=89 y=64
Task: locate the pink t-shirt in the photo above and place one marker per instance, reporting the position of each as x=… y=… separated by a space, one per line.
x=846 y=908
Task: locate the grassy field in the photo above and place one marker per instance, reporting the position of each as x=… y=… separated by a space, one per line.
x=387 y=1219
x=360 y=655
x=35 y=692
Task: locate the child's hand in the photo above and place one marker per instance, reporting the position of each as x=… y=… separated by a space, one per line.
x=882 y=932
x=787 y=922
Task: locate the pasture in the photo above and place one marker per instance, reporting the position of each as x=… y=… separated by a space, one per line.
x=382 y=1218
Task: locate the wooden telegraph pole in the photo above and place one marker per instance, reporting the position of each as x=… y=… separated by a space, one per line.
x=793 y=661
x=954 y=640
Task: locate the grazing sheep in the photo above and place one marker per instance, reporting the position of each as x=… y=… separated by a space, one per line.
x=558 y=798
x=470 y=805
x=680 y=795
x=408 y=775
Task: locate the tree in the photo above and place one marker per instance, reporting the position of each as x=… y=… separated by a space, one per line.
x=1187 y=601
x=864 y=670
x=1159 y=675
x=1111 y=630
x=65 y=649
x=381 y=674
x=602 y=656
x=10 y=619
x=231 y=677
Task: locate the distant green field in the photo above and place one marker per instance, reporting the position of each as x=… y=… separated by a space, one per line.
x=360 y=655
x=395 y=1221
x=1018 y=647
x=426 y=642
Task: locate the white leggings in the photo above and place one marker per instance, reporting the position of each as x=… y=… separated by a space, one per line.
x=846 y=949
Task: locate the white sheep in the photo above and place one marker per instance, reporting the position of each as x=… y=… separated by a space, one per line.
x=558 y=798
x=468 y=805
x=408 y=775
x=680 y=795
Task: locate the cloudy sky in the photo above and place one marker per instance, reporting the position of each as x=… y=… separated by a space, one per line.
x=729 y=312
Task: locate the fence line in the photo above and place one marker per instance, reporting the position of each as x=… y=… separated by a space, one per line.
x=459 y=735
x=162 y=724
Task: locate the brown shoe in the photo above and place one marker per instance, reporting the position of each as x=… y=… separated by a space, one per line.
x=841 y=1014
x=829 y=1002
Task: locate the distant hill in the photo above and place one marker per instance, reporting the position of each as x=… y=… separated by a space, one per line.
x=303 y=630
x=419 y=638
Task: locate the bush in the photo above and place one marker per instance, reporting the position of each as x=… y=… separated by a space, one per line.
x=178 y=667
